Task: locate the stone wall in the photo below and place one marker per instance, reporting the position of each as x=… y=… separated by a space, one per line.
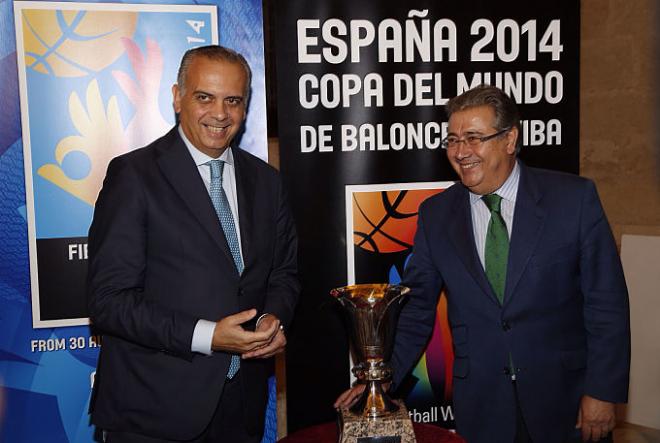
x=619 y=118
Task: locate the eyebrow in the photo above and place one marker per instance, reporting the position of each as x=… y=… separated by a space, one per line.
x=470 y=132
x=199 y=91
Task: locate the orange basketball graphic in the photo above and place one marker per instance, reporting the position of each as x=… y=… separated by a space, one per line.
x=385 y=221
x=65 y=43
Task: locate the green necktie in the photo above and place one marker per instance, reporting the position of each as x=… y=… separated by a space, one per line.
x=497 y=246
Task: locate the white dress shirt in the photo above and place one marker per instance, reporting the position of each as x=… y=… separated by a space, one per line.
x=203 y=333
x=481 y=214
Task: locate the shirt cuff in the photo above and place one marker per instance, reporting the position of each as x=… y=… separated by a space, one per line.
x=203 y=337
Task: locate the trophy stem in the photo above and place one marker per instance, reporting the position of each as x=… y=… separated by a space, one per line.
x=373 y=402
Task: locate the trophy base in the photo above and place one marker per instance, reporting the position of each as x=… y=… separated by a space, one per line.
x=394 y=428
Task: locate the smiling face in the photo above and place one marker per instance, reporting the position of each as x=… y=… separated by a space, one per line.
x=482 y=168
x=212 y=103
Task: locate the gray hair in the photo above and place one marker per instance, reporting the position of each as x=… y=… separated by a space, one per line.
x=505 y=108
x=217 y=53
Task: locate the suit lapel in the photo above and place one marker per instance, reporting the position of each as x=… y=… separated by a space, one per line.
x=528 y=220
x=181 y=171
x=462 y=236
x=245 y=188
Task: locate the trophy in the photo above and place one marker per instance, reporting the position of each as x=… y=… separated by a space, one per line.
x=372 y=311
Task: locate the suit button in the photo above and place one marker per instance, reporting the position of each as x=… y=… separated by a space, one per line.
x=505 y=326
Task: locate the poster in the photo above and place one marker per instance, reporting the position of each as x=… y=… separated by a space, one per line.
x=95 y=83
x=361 y=92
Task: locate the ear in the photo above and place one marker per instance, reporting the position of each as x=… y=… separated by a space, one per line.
x=176 y=98
x=512 y=140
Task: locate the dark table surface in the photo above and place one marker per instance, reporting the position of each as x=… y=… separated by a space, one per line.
x=327 y=433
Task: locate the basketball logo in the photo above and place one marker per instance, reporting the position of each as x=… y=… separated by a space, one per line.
x=385 y=221
x=66 y=43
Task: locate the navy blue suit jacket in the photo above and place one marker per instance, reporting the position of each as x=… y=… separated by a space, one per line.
x=564 y=319
x=158 y=262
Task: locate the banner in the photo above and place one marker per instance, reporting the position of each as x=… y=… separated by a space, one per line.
x=95 y=82
x=361 y=91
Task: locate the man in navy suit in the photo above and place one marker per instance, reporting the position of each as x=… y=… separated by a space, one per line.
x=192 y=271
x=537 y=301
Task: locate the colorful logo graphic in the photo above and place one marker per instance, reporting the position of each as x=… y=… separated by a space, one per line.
x=382 y=220
x=102 y=135
x=66 y=43
x=386 y=221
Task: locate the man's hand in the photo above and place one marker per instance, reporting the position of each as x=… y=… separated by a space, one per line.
x=596 y=418
x=277 y=343
x=229 y=335
x=349 y=397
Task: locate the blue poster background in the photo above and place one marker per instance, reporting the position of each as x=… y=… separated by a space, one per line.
x=49 y=103
x=45 y=374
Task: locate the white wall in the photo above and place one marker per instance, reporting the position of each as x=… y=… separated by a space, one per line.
x=640 y=255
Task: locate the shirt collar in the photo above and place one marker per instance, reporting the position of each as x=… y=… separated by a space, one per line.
x=199 y=157
x=508 y=190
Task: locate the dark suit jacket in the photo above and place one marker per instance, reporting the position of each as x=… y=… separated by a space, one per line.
x=158 y=262
x=564 y=319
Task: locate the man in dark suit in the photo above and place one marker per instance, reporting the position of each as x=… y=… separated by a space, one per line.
x=537 y=302
x=192 y=276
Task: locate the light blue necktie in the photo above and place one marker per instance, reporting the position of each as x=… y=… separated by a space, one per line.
x=221 y=205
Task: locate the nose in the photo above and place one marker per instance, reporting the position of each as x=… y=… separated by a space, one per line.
x=219 y=110
x=462 y=150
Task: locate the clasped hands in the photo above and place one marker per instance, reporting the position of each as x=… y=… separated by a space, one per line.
x=265 y=341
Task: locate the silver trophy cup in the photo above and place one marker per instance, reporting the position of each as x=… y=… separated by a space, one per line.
x=372 y=311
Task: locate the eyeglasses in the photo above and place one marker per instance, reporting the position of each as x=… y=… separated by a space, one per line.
x=452 y=141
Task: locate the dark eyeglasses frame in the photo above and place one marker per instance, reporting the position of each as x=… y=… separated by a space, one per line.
x=472 y=140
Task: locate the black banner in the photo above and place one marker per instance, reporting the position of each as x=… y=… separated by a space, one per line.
x=361 y=90
x=62 y=284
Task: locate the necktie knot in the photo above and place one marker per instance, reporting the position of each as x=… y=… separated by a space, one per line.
x=493 y=202
x=217 y=166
